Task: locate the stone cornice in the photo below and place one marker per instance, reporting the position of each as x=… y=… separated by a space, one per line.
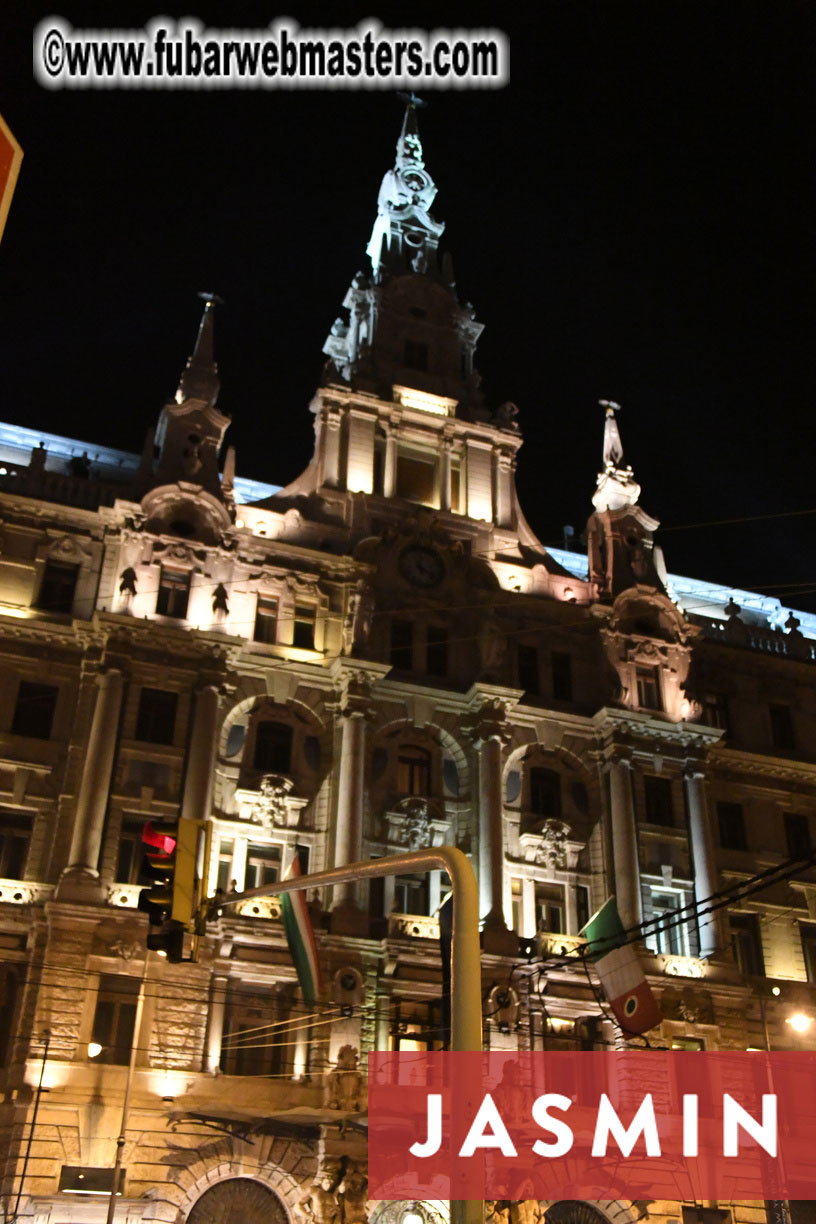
x=735 y=761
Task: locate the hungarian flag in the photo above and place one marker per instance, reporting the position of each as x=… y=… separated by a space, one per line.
x=616 y=963
x=300 y=936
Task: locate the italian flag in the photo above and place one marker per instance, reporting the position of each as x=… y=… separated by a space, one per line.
x=300 y=936
x=616 y=963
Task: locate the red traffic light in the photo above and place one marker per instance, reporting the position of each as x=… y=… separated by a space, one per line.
x=164 y=843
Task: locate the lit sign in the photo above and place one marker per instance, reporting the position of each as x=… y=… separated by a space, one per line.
x=439 y=405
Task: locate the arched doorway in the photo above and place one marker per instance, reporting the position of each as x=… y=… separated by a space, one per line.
x=239 y=1198
x=568 y=1212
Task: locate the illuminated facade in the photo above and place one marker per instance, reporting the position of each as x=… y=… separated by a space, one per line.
x=378 y=656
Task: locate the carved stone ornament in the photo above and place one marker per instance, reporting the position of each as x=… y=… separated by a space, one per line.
x=322 y=1204
x=416 y=832
x=271 y=808
x=344 y=1085
x=552 y=851
x=354 y=1194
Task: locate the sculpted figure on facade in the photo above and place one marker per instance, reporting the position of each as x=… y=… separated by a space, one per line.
x=354 y=1195
x=271 y=808
x=416 y=831
x=322 y=1205
x=345 y=1086
x=552 y=851
x=357 y=624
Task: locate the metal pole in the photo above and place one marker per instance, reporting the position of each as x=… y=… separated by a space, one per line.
x=466 y=972
x=120 y=1142
x=47 y=1042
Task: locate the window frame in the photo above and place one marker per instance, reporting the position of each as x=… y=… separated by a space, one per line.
x=726 y=811
x=50 y=578
x=156 y=716
x=267 y=611
x=173 y=583
x=30 y=693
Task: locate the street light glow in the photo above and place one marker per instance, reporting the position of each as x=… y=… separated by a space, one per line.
x=94 y=1049
x=799 y=1022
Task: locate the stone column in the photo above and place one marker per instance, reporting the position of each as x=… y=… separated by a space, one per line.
x=198 y=779
x=215 y=1022
x=624 y=844
x=445 y=474
x=703 y=859
x=390 y=463
x=571 y=910
x=94 y=789
x=489 y=733
x=349 y=835
x=331 y=448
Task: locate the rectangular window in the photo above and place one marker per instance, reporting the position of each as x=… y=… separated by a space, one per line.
x=549 y=908
x=797 y=835
x=304 y=634
x=156 y=719
x=436 y=651
x=273 y=748
x=411 y=894
x=34 y=710
x=15 y=835
x=456 y=488
x=131 y=851
x=582 y=912
x=413 y=771
x=416 y=354
x=747 y=944
x=174 y=593
x=687 y=1043
x=670 y=936
x=517 y=904
x=648 y=688
x=715 y=711
x=250 y=1045
x=731 y=824
x=561 y=675
x=57 y=587
x=115 y=1017
x=402 y=644
x=416 y=478
x=417 y=1026
x=781 y=727
x=808 y=934
x=545 y=793
x=529 y=677
x=657 y=793
x=263 y=864
x=226 y=848
x=266 y=620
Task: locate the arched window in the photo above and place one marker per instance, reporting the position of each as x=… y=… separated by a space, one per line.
x=545 y=793
x=273 y=747
x=413 y=771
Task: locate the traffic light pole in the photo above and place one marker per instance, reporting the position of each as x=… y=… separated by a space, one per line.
x=466 y=976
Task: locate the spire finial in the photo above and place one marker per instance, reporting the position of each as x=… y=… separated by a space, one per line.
x=200 y=377
x=617 y=486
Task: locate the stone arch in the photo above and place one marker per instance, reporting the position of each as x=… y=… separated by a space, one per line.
x=252 y=692
x=238 y=1198
x=431 y=1211
x=447 y=740
x=577 y=1211
x=270 y=1163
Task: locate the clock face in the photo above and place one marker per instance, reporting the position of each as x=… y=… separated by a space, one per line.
x=421 y=566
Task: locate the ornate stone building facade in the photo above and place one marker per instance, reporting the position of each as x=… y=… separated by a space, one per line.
x=379 y=656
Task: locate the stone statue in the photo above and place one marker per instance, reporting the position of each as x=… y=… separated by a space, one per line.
x=357 y=624
x=220 y=602
x=497 y=1211
x=354 y=1195
x=322 y=1204
x=127 y=583
x=344 y=1083
x=271 y=808
x=525 y=1211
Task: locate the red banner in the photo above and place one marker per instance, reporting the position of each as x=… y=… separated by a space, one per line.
x=10 y=157
x=638 y=1124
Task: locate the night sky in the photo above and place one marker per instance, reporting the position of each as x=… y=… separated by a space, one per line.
x=631 y=216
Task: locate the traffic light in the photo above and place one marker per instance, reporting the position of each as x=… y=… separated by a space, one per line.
x=175 y=855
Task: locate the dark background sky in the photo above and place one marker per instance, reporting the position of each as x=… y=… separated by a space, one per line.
x=631 y=216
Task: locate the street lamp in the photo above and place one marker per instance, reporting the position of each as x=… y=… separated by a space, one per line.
x=800 y=1022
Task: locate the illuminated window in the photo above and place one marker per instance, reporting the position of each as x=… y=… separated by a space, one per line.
x=58 y=587
x=402 y=644
x=648 y=688
x=226 y=849
x=174 y=593
x=561 y=664
x=413 y=771
x=517 y=904
x=670 y=936
x=747 y=944
x=797 y=836
x=266 y=620
x=436 y=651
x=687 y=1043
x=411 y=894
x=263 y=864
x=156 y=719
x=657 y=793
x=15 y=835
x=781 y=727
x=34 y=710
x=115 y=1017
x=273 y=747
x=416 y=1026
x=416 y=477
x=549 y=908
x=731 y=824
x=304 y=632
x=582 y=910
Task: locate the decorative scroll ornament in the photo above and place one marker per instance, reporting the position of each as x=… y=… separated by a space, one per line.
x=553 y=849
x=271 y=807
x=416 y=831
